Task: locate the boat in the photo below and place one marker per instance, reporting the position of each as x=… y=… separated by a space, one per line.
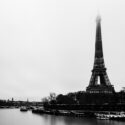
x=111 y=116
x=23 y=108
x=120 y=116
x=102 y=116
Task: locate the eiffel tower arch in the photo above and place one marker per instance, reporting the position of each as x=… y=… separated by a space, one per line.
x=99 y=81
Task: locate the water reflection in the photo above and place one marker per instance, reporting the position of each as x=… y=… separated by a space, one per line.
x=61 y=120
x=15 y=117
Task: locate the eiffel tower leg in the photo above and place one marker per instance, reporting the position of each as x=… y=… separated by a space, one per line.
x=107 y=82
x=93 y=80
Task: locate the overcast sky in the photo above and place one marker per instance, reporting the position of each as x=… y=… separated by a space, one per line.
x=48 y=45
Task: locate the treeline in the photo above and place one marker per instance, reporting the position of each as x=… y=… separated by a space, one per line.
x=19 y=103
x=83 y=98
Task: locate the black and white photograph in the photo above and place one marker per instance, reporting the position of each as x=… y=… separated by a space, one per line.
x=62 y=62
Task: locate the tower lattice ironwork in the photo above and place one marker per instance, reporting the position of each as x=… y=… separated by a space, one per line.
x=99 y=82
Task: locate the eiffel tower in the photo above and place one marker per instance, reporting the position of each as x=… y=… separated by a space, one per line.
x=99 y=82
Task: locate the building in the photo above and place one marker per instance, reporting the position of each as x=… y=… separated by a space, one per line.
x=99 y=82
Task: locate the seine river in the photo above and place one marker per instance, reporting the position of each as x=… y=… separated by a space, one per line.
x=16 y=117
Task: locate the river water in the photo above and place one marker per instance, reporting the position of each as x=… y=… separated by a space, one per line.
x=16 y=117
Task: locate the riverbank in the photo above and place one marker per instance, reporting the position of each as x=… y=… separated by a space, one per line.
x=103 y=115
x=72 y=113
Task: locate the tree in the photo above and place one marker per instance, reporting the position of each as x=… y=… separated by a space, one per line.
x=52 y=98
x=45 y=100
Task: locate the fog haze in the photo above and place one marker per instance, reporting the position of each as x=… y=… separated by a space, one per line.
x=48 y=45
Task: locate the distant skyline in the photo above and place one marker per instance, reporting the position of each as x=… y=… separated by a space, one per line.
x=49 y=46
